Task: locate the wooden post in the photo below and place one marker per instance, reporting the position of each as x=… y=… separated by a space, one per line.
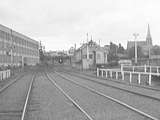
x=106 y=73
x=116 y=75
x=130 y=77
x=139 y=78
x=122 y=75
x=157 y=69
x=145 y=69
x=102 y=73
x=97 y=72
x=121 y=67
x=150 y=69
x=133 y=68
x=111 y=74
x=150 y=79
x=0 y=75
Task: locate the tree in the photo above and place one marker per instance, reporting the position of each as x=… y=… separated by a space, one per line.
x=113 y=48
x=120 y=49
x=155 y=50
x=113 y=52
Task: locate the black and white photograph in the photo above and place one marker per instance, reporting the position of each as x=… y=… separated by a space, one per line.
x=79 y=60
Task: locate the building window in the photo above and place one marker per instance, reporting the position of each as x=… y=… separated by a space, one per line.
x=84 y=56
x=98 y=56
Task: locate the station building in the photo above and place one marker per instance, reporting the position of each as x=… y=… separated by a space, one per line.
x=97 y=55
x=17 y=49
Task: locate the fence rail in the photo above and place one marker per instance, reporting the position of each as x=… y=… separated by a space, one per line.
x=100 y=72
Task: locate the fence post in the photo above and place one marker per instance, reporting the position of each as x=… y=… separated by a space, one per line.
x=97 y=72
x=145 y=69
x=0 y=75
x=133 y=68
x=116 y=74
x=130 y=77
x=9 y=73
x=150 y=79
x=122 y=75
x=6 y=73
x=139 y=78
x=106 y=73
x=102 y=73
x=121 y=67
x=111 y=74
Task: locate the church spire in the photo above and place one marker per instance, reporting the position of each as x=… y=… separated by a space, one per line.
x=149 y=38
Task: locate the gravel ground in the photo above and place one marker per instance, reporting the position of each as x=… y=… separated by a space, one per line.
x=119 y=84
x=48 y=103
x=12 y=99
x=97 y=106
x=6 y=81
x=145 y=104
x=144 y=78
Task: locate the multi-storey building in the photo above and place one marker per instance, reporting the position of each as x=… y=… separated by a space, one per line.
x=17 y=49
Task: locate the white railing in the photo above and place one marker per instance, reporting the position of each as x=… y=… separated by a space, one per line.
x=145 y=67
x=117 y=71
x=5 y=74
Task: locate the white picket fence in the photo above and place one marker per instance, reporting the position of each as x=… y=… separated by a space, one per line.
x=131 y=73
x=5 y=74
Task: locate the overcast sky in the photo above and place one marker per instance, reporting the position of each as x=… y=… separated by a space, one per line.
x=59 y=24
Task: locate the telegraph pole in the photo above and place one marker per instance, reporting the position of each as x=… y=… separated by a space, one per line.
x=135 y=39
x=87 y=48
x=11 y=49
x=149 y=54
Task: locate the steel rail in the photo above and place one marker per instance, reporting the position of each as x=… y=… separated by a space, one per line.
x=119 y=82
x=111 y=98
x=113 y=80
x=73 y=101
x=10 y=83
x=27 y=98
x=147 y=96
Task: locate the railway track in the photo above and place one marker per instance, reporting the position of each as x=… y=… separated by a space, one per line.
x=120 y=82
x=10 y=83
x=27 y=98
x=110 y=80
x=12 y=108
x=153 y=91
x=145 y=103
x=69 y=98
x=100 y=94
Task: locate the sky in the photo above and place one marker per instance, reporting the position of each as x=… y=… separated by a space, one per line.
x=60 y=24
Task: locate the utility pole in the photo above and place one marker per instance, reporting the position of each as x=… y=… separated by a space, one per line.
x=149 y=54
x=11 y=49
x=135 y=39
x=87 y=48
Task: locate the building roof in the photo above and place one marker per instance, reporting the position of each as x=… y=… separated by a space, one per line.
x=148 y=37
x=9 y=30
